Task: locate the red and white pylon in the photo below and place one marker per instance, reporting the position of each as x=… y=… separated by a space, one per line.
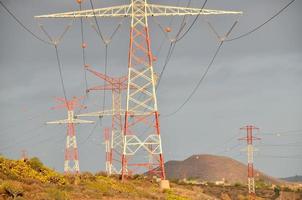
x=250 y=158
x=24 y=155
x=108 y=154
x=71 y=159
x=116 y=85
x=141 y=128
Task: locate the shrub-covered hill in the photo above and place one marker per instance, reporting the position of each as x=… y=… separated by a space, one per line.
x=29 y=170
x=30 y=179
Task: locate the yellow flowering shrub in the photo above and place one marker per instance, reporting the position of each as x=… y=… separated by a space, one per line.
x=25 y=170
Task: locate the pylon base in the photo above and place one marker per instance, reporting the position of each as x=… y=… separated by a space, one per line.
x=164 y=184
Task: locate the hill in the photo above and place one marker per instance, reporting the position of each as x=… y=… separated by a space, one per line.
x=30 y=179
x=293 y=179
x=212 y=168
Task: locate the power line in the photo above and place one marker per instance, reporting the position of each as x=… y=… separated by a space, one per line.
x=60 y=72
x=298 y=131
x=91 y=132
x=106 y=46
x=24 y=139
x=203 y=75
x=280 y=156
x=23 y=26
x=261 y=25
x=83 y=49
x=229 y=149
x=12 y=124
x=226 y=141
x=55 y=44
x=194 y=21
x=174 y=41
x=97 y=24
x=198 y=83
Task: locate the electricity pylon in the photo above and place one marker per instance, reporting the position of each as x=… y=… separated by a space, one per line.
x=24 y=156
x=141 y=93
x=108 y=155
x=250 y=158
x=71 y=159
x=116 y=86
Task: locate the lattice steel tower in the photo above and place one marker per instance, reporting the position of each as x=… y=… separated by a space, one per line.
x=141 y=107
x=71 y=159
x=250 y=158
x=116 y=85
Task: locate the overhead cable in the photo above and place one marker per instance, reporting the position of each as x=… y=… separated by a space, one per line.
x=203 y=76
x=261 y=25
x=23 y=26
x=55 y=44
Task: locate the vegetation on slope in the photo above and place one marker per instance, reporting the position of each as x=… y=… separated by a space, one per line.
x=30 y=179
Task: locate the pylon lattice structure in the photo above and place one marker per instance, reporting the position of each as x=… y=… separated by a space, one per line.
x=140 y=148
x=108 y=155
x=116 y=85
x=24 y=155
x=71 y=159
x=250 y=158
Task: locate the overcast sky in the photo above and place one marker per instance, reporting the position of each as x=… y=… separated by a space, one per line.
x=254 y=80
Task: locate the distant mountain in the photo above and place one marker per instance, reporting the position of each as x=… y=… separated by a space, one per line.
x=293 y=179
x=212 y=168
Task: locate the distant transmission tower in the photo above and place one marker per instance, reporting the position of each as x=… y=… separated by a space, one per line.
x=24 y=156
x=108 y=155
x=250 y=158
x=141 y=107
x=71 y=161
x=116 y=86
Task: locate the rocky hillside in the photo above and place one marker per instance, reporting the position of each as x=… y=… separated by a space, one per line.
x=212 y=168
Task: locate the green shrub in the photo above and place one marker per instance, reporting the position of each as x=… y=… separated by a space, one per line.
x=261 y=184
x=171 y=196
x=277 y=190
x=237 y=184
x=12 y=189
x=36 y=164
x=286 y=189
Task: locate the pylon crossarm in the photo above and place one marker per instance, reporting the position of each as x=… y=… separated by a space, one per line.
x=74 y=121
x=114 y=11
x=58 y=106
x=101 y=87
x=125 y=11
x=80 y=121
x=101 y=75
x=162 y=10
x=100 y=113
x=110 y=113
x=64 y=121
